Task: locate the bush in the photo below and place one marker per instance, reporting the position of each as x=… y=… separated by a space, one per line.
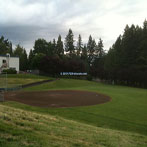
x=10 y=71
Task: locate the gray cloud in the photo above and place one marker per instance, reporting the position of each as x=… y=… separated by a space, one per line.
x=23 y=21
x=26 y=35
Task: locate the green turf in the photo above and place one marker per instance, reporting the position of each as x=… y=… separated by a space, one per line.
x=127 y=110
x=14 y=80
x=23 y=128
x=26 y=76
x=120 y=122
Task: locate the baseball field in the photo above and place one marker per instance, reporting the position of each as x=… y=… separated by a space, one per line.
x=69 y=112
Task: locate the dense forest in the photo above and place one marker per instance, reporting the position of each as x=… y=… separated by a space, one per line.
x=125 y=62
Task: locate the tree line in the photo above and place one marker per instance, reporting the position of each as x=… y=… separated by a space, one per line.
x=57 y=56
x=125 y=62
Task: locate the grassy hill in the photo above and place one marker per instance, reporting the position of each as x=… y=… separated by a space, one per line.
x=23 y=128
x=121 y=122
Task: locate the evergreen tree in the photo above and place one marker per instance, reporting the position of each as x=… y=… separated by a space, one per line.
x=21 y=53
x=145 y=26
x=36 y=62
x=130 y=43
x=25 y=60
x=143 y=45
x=126 y=61
x=54 y=47
x=97 y=68
x=84 y=53
x=99 y=52
x=91 y=45
x=5 y=46
x=69 y=43
x=59 y=47
x=79 y=45
x=42 y=46
x=30 y=59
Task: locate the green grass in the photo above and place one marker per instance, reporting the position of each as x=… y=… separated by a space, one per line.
x=23 y=128
x=26 y=76
x=20 y=79
x=126 y=113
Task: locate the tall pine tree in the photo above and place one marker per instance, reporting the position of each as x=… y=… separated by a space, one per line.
x=54 y=47
x=69 y=43
x=84 y=53
x=99 y=52
x=91 y=45
x=79 y=45
x=30 y=59
x=59 y=47
x=21 y=53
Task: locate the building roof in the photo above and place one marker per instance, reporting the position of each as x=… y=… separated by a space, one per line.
x=10 y=56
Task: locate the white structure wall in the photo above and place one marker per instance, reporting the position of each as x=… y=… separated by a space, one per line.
x=12 y=62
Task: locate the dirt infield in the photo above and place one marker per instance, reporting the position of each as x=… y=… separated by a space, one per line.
x=57 y=98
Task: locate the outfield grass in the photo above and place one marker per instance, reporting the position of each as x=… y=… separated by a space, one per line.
x=118 y=119
x=23 y=128
x=127 y=110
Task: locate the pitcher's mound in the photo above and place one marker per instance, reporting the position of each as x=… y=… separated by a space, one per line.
x=57 y=98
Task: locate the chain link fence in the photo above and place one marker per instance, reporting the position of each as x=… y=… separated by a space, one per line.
x=1 y=96
x=3 y=85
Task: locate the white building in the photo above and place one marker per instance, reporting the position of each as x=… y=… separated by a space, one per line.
x=7 y=62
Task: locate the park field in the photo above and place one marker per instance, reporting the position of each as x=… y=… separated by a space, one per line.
x=120 y=122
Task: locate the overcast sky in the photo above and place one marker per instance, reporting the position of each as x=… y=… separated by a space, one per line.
x=24 y=21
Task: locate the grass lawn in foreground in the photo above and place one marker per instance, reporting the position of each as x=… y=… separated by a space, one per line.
x=127 y=111
x=23 y=128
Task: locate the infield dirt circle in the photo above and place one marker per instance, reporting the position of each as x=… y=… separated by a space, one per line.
x=57 y=98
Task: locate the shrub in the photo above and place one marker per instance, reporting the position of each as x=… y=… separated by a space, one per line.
x=10 y=71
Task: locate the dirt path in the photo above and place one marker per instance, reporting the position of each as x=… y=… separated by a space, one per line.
x=57 y=98
x=38 y=83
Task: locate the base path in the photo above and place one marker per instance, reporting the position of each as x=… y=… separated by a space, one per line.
x=57 y=98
